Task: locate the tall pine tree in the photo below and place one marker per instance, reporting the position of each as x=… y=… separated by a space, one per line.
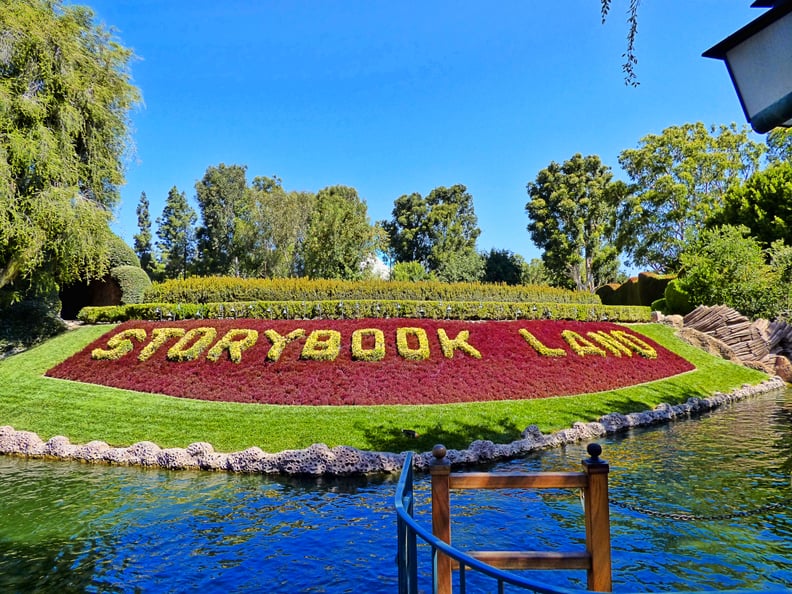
x=142 y=240
x=176 y=233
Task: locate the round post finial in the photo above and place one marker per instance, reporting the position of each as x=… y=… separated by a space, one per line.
x=594 y=450
x=440 y=460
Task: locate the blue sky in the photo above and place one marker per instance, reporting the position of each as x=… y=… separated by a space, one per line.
x=399 y=97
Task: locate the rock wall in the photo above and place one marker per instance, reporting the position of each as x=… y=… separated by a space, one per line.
x=725 y=332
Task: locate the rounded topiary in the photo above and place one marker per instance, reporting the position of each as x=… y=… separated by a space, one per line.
x=677 y=300
x=120 y=254
x=133 y=281
x=660 y=305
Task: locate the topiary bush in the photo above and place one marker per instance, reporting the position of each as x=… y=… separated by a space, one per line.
x=677 y=301
x=121 y=254
x=133 y=281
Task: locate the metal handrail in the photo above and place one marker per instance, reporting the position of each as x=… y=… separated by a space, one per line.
x=407 y=557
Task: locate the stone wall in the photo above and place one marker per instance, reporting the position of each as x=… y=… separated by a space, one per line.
x=320 y=459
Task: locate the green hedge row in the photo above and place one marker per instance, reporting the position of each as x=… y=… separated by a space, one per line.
x=341 y=309
x=205 y=290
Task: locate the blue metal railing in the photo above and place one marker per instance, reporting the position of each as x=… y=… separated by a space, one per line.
x=407 y=556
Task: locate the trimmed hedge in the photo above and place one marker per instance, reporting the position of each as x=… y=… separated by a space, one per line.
x=342 y=309
x=133 y=281
x=205 y=290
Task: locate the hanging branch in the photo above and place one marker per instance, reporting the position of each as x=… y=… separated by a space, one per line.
x=630 y=59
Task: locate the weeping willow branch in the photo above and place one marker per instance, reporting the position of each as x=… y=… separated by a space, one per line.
x=630 y=59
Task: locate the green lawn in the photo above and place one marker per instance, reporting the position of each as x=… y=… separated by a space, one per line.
x=84 y=412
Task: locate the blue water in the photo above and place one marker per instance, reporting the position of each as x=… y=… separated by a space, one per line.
x=68 y=527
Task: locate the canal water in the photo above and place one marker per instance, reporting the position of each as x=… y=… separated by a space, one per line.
x=69 y=527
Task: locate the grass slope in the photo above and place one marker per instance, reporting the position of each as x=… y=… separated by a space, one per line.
x=83 y=412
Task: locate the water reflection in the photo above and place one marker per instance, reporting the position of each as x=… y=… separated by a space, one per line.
x=75 y=528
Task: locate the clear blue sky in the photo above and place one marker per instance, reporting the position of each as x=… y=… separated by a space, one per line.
x=393 y=97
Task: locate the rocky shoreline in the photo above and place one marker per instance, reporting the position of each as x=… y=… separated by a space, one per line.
x=319 y=459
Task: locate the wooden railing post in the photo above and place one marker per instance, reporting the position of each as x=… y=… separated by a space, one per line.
x=597 y=520
x=440 y=468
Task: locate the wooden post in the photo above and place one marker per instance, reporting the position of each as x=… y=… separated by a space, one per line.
x=440 y=468
x=597 y=520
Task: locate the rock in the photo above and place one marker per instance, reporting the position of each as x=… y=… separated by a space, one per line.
x=782 y=367
x=707 y=343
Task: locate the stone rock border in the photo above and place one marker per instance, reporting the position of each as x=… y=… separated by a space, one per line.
x=319 y=459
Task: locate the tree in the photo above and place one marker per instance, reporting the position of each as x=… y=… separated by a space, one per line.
x=439 y=231
x=65 y=94
x=572 y=210
x=408 y=231
x=503 y=266
x=453 y=228
x=340 y=238
x=763 y=204
x=221 y=196
x=725 y=266
x=466 y=266
x=410 y=272
x=142 y=239
x=680 y=178
x=271 y=229
x=534 y=273
x=175 y=229
x=779 y=145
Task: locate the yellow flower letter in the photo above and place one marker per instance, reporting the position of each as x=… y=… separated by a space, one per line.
x=635 y=343
x=420 y=353
x=580 y=345
x=159 y=337
x=460 y=342
x=377 y=353
x=539 y=347
x=235 y=341
x=279 y=342
x=200 y=338
x=322 y=345
x=119 y=344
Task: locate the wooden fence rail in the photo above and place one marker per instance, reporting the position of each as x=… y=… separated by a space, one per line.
x=593 y=480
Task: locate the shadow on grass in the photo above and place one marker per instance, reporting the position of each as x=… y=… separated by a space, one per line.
x=390 y=437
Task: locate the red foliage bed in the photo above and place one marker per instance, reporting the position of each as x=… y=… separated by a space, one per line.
x=495 y=362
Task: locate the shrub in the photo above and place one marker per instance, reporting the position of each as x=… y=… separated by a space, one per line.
x=120 y=254
x=133 y=282
x=676 y=299
x=725 y=266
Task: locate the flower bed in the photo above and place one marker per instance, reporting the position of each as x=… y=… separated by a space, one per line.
x=366 y=362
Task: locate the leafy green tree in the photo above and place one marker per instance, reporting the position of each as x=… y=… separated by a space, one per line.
x=466 y=266
x=680 y=179
x=726 y=266
x=453 y=230
x=176 y=233
x=65 y=94
x=142 y=239
x=340 y=238
x=410 y=272
x=779 y=145
x=439 y=231
x=221 y=199
x=503 y=266
x=271 y=229
x=763 y=204
x=572 y=218
x=408 y=230
x=534 y=273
